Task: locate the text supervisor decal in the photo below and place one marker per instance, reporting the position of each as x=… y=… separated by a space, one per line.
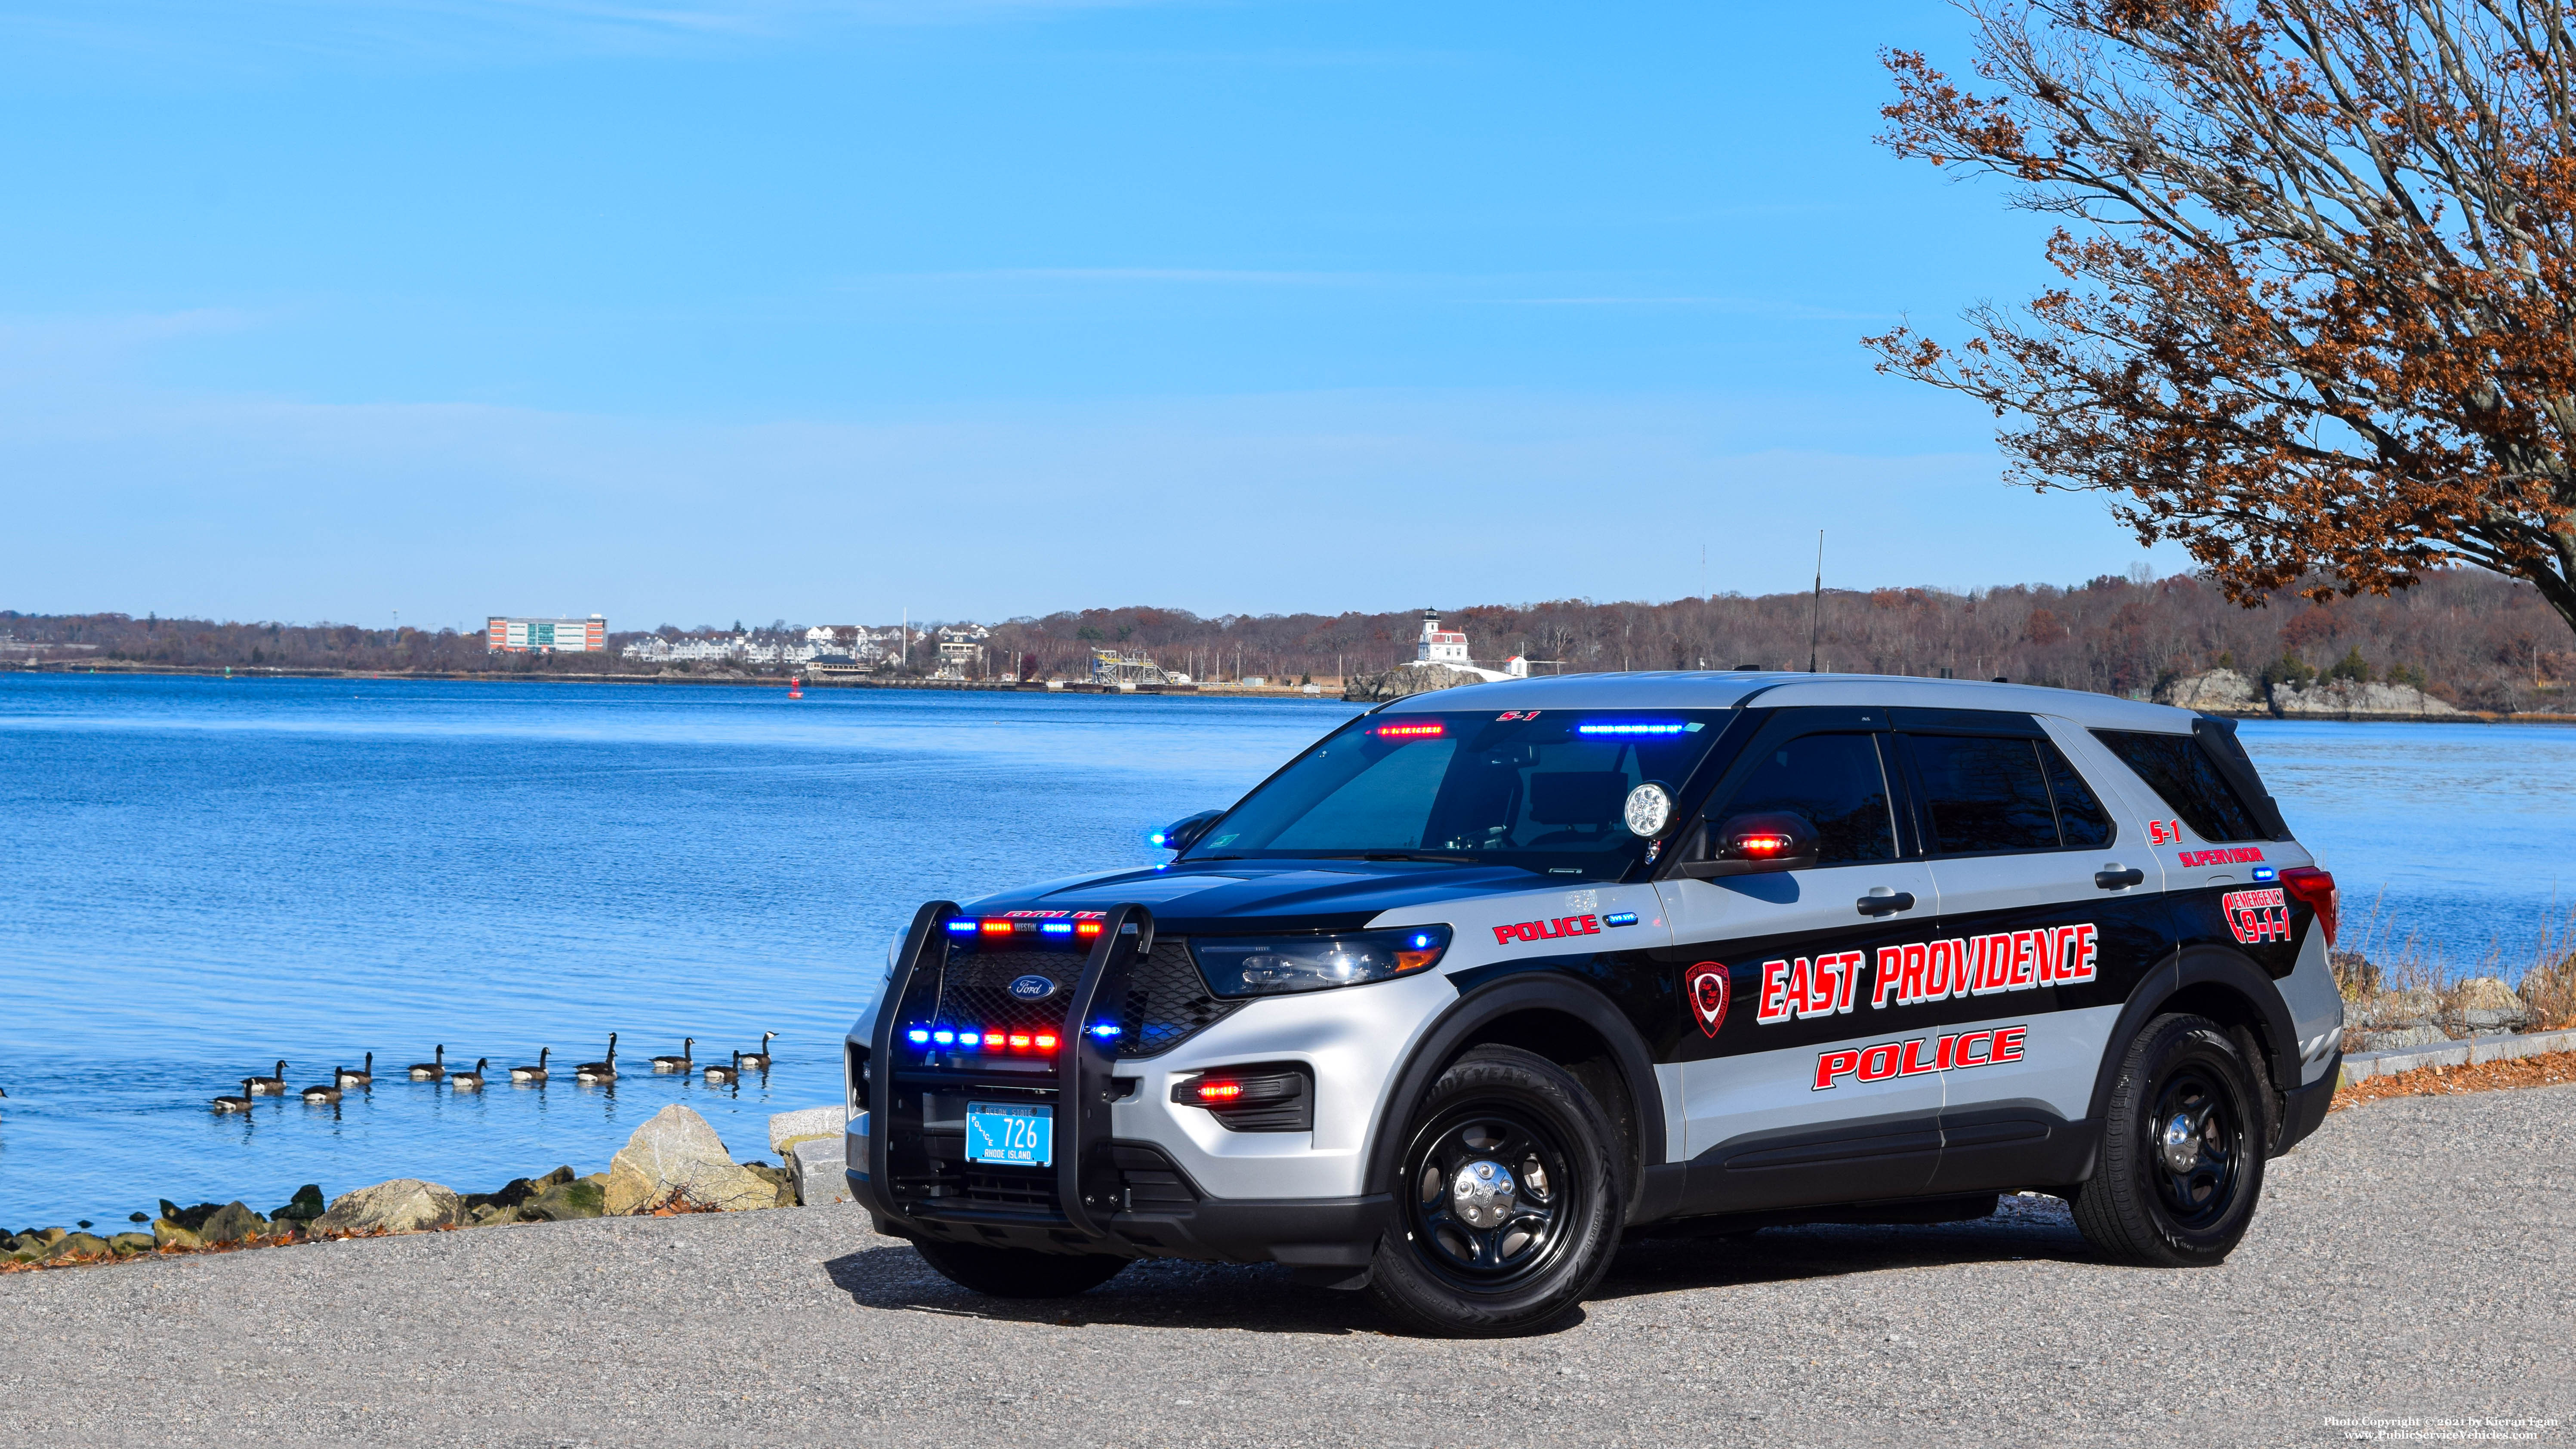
x=1920 y=1055
x=1801 y=987
x=2233 y=855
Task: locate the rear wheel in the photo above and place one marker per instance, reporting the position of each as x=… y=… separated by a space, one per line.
x=1510 y=1199
x=1018 y=1272
x=2183 y=1141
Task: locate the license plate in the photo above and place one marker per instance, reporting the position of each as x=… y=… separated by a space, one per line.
x=1016 y=1135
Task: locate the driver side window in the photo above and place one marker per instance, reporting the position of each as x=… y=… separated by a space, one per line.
x=1835 y=783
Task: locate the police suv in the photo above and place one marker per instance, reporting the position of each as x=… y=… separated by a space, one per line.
x=1487 y=979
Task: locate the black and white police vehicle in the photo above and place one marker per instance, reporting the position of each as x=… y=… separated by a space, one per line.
x=1487 y=979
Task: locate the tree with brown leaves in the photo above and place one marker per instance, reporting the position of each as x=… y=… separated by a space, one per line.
x=2318 y=315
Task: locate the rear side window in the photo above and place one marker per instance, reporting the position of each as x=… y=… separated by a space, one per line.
x=1984 y=795
x=2184 y=776
x=1833 y=782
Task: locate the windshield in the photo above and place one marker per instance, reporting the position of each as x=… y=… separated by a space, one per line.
x=1541 y=789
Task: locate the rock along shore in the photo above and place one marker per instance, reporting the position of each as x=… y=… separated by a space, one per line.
x=675 y=1163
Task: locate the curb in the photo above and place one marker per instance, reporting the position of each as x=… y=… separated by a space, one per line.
x=2498 y=1048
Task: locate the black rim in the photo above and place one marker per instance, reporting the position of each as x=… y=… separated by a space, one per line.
x=1490 y=1197
x=2195 y=1146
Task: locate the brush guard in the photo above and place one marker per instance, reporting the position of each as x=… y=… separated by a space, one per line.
x=918 y=1180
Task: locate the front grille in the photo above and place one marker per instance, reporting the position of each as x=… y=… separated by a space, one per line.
x=1011 y=1187
x=1167 y=999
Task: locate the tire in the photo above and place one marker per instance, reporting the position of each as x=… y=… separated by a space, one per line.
x=2167 y=1193
x=1018 y=1272
x=1484 y=1247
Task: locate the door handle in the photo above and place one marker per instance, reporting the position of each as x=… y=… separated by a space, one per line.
x=1883 y=902
x=2115 y=878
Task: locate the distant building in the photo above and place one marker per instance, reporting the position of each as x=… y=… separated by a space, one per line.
x=1438 y=645
x=960 y=660
x=545 y=636
x=1447 y=648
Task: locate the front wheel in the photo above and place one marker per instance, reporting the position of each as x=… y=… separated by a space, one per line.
x=1510 y=1199
x=2183 y=1141
x=1018 y=1272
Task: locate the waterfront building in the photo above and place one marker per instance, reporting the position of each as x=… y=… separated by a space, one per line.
x=545 y=636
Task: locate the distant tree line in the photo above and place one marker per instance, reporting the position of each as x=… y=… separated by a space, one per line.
x=2471 y=638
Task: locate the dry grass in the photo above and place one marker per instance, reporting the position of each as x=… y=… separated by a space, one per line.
x=2554 y=1069
x=2378 y=954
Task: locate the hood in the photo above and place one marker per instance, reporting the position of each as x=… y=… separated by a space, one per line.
x=1239 y=896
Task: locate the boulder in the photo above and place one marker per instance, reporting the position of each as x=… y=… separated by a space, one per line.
x=1404 y=681
x=2394 y=1011
x=231 y=1223
x=2485 y=1004
x=2346 y=699
x=780 y=1180
x=404 y=1205
x=676 y=1159
x=77 y=1245
x=584 y=1197
x=2407 y=1036
x=124 y=1243
x=166 y=1233
x=786 y=1129
x=304 y=1207
x=2214 y=689
x=816 y=1164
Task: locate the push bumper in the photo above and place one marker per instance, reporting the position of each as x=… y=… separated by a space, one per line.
x=1102 y=1195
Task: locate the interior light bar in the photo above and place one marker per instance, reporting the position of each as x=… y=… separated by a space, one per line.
x=1412 y=730
x=1637 y=727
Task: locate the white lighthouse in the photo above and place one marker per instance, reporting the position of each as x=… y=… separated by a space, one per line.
x=1446 y=648
x=1438 y=645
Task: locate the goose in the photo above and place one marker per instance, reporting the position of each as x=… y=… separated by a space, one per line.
x=469 y=1081
x=321 y=1093
x=536 y=1073
x=722 y=1074
x=433 y=1069
x=363 y=1077
x=759 y=1061
x=680 y=1063
x=241 y=1103
x=270 y=1086
x=604 y=1071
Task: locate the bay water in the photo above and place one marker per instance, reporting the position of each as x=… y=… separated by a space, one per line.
x=200 y=876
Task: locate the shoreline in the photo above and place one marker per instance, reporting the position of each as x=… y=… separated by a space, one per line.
x=1328 y=693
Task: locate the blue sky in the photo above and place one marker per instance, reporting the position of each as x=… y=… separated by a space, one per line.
x=730 y=309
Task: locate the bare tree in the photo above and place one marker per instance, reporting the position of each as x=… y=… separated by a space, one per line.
x=2318 y=316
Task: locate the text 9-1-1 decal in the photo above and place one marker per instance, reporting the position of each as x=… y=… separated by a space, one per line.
x=2264 y=923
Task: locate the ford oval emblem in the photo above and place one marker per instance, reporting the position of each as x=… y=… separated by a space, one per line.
x=1033 y=988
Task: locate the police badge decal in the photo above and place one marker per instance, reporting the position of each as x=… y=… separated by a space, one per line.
x=1705 y=984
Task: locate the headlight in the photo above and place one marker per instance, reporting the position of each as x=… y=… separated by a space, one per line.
x=1274 y=965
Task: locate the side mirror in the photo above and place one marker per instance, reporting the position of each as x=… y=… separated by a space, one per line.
x=1182 y=834
x=1753 y=845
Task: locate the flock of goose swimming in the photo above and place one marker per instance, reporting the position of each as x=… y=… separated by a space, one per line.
x=458 y=1079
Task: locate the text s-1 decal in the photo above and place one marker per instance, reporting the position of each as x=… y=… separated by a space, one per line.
x=2257 y=916
x=1802 y=988
x=1919 y=1055
x=2234 y=855
x=2163 y=832
x=1557 y=929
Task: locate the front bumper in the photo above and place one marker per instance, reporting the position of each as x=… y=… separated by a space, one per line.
x=1104 y=1194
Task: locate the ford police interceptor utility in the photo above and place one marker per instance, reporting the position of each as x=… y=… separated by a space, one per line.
x=1487 y=979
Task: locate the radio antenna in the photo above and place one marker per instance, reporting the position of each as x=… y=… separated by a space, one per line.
x=1816 y=620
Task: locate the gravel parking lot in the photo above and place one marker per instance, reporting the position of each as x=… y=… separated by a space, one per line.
x=2413 y=1260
